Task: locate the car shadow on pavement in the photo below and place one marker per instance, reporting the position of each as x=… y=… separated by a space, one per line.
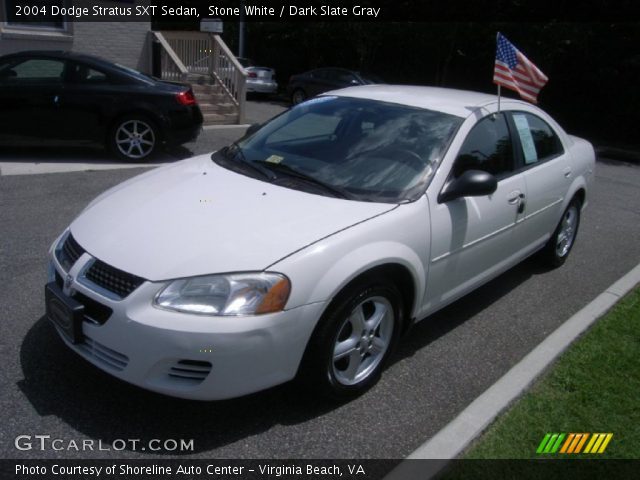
x=59 y=382
x=450 y=317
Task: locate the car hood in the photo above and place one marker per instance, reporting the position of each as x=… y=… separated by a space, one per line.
x=196 y=218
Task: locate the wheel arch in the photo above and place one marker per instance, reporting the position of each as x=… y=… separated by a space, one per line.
x=404 y=269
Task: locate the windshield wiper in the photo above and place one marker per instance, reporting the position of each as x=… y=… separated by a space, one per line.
x=234 y=151
x=287 y=170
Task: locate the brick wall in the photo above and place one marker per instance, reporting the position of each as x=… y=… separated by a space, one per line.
x=127 y=43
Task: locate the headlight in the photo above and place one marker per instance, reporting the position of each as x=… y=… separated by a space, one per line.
x=235 y=294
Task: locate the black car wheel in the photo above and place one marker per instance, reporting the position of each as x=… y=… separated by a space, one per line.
x=349 y=348
x=134 y=138
x=298 y=96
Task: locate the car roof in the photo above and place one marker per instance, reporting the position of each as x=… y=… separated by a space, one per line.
x=460 y=103
x=62 y=54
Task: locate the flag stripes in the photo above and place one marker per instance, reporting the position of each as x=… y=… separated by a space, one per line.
x=515 y=71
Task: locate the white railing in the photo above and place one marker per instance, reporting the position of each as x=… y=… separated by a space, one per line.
x=171 y=66
x=201 y=53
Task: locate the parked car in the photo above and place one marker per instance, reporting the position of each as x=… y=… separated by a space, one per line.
x=314 y=82
x=309 y=246
x=64 y=98
x=259 y=79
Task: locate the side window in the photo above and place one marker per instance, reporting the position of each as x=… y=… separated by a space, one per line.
x=488 y=147
x=346 y=77
x=34 y=71
x=81 y=74
x=538 y=140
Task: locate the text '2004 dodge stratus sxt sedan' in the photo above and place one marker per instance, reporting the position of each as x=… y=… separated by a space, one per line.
x=309 y=246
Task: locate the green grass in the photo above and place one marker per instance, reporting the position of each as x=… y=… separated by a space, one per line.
x=593 y=388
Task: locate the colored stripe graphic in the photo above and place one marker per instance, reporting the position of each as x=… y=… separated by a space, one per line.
x=582 y=440
x=573 y=443
x=599 y=442
x=543 y=443
x=605 y=443
x=558 y=442
x=567 y=443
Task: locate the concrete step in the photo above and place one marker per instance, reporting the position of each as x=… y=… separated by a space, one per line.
x=208 y=89
x=212 y=99
x=218 y=107
x=220 y=119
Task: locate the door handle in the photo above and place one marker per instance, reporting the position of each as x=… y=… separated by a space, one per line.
x=515 y=197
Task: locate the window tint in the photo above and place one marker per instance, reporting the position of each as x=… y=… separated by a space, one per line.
x=306 y=126
x=36 y=70
x=537 y=138
x=78 y=73
x=488 y=147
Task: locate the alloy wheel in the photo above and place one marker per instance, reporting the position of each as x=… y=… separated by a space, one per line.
x=135 y=139
x=362 y=341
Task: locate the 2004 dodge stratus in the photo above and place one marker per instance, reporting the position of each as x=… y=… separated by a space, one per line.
x=309 y=246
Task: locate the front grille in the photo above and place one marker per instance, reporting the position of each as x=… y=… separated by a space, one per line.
x=113 y=280
x=70 y=252
x=192 y=371
x=104 y=355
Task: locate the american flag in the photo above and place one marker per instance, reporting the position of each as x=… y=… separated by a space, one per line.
x=515 y=71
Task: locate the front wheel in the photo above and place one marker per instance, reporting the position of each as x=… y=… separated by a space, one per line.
x=557 y=249
x=134 y=138
x=353 y=340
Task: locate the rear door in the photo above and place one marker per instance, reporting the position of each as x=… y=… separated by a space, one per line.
x=546 y=168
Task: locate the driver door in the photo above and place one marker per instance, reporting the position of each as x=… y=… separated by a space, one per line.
x=30 y=90
x=473 y=238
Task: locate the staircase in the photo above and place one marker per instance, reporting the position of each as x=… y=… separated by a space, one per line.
x=217 y=108
x=204 y=60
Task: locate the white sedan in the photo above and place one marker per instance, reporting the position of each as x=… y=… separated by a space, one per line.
x=308 y=247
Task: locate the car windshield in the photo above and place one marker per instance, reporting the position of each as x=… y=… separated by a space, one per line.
x=366 y=149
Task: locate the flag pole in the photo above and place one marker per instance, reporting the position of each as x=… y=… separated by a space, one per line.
x=499 y=86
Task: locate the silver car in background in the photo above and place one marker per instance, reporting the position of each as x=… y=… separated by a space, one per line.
x=259 y=79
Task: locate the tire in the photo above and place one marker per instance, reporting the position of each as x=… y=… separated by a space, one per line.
x=298 y=96
x=134 y=138
x=557 y=249
x=353 y=340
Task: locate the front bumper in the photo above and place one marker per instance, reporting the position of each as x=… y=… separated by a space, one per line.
x=188 y=356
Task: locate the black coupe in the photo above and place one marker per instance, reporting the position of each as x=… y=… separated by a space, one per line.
x=63 y=98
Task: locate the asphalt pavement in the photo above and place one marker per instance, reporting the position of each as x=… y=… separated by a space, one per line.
x=445 y=363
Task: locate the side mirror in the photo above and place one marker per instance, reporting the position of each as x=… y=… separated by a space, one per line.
x=253 y=128
x=472 y=183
